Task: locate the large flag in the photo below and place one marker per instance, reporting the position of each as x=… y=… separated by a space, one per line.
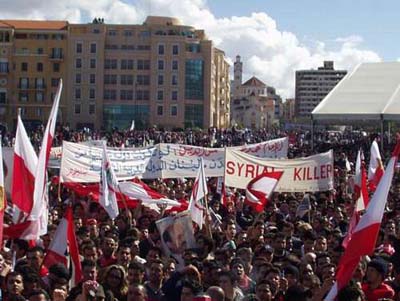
x=360 y=195
x=364 y=237
x=197 y=204
x=375 y=169
x=260 y=189
x=108 y=186
x=40 y=201
x=25 y=162
x=63 y=244
x=2 y=193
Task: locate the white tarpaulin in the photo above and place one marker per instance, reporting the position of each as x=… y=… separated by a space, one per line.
x=314 y=173
x=82 y=163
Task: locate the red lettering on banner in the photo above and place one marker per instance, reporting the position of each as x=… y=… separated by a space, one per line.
x=296 y=176
x=312 y=174
x=323 y=176
x=230 y=167
x=249 y=170
x=316 y=177
x=240 y=166
x=329 y=170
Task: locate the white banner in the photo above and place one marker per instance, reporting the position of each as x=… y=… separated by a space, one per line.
x=314 y=173
x=81 y=163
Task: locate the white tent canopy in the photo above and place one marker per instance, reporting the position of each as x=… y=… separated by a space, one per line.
x=370 y=92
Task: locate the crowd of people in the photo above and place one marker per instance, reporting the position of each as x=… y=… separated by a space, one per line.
x=273 y=255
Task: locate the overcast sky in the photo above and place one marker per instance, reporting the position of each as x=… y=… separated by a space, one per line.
x=274 y=38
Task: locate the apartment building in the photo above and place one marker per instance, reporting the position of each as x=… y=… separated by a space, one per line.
x=33 y=57
x=159 y=73
x=313 y=85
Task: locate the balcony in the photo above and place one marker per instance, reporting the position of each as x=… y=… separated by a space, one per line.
x=56 y=57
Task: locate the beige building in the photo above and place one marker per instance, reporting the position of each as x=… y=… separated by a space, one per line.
x=159 y=73
x=33 y=57
x=289 y=109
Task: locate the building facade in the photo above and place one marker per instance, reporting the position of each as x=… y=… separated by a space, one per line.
x=33 y=57
x=159 y=73
x=313 y=85
x=254 y=104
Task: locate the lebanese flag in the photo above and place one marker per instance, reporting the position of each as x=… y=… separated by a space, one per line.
x=364 y=237
x=24 y=168
x=260 y=189
x=2 y=194
x=197 y=201
x=40 y=207
x=375 y=169
x=108 y=186
x=64 y=242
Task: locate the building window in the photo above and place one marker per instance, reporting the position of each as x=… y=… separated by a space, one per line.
x=93 y=48
x=126 y=94
x=110 y=79
x=161 y=49
x=39 y=96
x=128 y=33
x=92 y=93
x=92 y=63
x=126 y=64
x=175 y=65
x=112 y=33
x=143 y=80
x=126 y=80
x=193 y=47
x=3 y=67
x=39 y=112
x=175 y=49
x=92 y=109
x=160 y=80
x=92 y=78
x=174 y=80
x=54 y=82
x=160 y=95
x=174 y=110
x=143 y=65
x=24 y=66
x=56 y=53
x=78 y=78
x=56 y=67
x=23 y=97
x=40 y=50
x=3 y=97
x=24 y=83
x=160 y=110
x=77 y=93
x=142 y=95
x=194 y=79
x=78 y=63
x=39 y=67
x=78 y=47
x=39 y=83
x=193 y=116
x=77 y=109
x=160 y=65
x=110 y=94
x=174 y=95
x=110 y=64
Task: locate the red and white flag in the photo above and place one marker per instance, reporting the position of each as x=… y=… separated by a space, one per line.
x=360 y=195
x=63 y=244
x=364 y=237
x=2 y=194
x=23 y=182
x=40 y=201
x=375 y=169
x=108 y=186
x=260 y=189
x=197 y=204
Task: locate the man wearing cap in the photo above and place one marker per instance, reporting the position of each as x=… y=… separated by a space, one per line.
x=374 y=289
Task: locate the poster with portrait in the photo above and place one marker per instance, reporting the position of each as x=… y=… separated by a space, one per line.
x=177 y=235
